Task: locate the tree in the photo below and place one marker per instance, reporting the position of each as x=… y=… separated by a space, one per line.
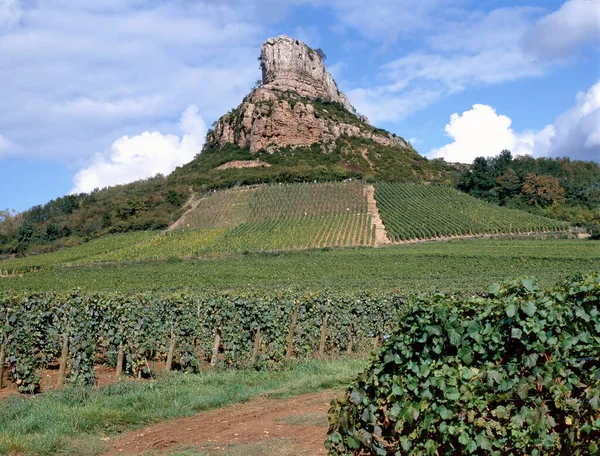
x=509 y=184
x=26 y=231
x=9 y=223
x=321 y=54
x=542 y=190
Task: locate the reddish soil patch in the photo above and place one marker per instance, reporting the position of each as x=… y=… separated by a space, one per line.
x=243 y=164
x=296 y=426
x=49 y=380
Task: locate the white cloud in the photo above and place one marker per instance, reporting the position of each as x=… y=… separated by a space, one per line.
x=577 y=131
x=559 y=34
x=120 y=108
x=10 y=13
x=483 y=132
x=76 y=75
x=469 y=49
x=144 y=155
x=477 y=132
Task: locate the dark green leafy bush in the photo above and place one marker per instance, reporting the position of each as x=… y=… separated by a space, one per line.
x=515 y=372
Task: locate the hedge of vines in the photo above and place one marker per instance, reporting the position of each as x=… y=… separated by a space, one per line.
x=512 y=373
x=33 y=327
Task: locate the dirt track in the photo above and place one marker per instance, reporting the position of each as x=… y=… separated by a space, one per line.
x=262 y=426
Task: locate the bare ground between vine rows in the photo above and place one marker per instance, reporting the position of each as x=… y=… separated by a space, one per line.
x=263 y=426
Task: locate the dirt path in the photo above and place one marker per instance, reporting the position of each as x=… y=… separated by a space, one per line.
x=193 y=203
x=295 y=426
x=381 y=236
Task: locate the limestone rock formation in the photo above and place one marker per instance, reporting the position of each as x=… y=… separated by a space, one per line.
x=297 y=105
x=290 y=65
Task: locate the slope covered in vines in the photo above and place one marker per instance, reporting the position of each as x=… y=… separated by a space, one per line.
x=413 y=211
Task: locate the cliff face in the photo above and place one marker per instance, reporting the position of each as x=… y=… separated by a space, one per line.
x=290 y=65
x=297 y=105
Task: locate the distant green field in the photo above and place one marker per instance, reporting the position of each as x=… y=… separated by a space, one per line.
x=411 y=211
x=466 y=266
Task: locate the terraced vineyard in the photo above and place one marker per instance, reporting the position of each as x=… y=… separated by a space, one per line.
x=411 y=211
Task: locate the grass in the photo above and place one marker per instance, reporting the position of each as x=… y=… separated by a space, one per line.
x=73 y=420
x=466 y=265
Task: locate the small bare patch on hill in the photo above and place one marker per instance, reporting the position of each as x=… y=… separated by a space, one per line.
x=243 y=164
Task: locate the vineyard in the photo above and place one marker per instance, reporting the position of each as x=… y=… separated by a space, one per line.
x=188 y=330
x=412 y=212
x=457 y=265
x=515 y=371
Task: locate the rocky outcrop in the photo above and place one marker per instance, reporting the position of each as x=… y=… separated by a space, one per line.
x=290 y=65
x=297 y=105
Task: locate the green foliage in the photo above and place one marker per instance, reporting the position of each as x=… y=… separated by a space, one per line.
x=513 y=372
x=465 y=266
x=570 y=187
x=145 y=324
x=77 y=420
x=427 y=211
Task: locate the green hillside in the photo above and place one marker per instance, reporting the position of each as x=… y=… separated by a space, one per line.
x=426 y=211
x=299 y=216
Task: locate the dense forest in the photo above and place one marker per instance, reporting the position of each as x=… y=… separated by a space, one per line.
x=560 y=188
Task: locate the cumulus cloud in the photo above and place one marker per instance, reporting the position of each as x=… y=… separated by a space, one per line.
x=562 y=32
x=481 y=131
x=577 y=131
x=477 y=132
x=144 y=155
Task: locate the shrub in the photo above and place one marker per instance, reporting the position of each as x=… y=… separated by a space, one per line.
x=514 y=372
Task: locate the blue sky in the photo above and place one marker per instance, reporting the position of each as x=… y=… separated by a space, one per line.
x=101 y=92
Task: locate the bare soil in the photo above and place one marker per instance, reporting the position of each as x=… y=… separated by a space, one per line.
x=243 y=164
x=49 y=379
x=262 y=426
x=381 y=236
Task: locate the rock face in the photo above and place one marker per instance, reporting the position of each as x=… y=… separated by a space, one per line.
x=290 y=65
x=297 y=105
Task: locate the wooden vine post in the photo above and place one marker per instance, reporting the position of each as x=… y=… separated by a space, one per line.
x=290 y=347
x=215 y=350
x=256 y=347
x=169 y=364
x=376 y=342
x=2 y=361
x=350 y=342
x=120 y=360
x=64 y=354
x=323 y=335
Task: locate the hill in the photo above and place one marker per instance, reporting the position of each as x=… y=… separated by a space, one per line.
x=295 y=126
x=279 y=217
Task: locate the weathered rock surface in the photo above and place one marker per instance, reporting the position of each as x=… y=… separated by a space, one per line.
x=297 y=105
x=289 y=64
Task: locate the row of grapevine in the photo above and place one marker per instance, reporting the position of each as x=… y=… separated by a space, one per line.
x=514 y=372
x=294 y=201
x=194 y=328
x=413 y=211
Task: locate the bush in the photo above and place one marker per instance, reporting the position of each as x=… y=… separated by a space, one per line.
x=514 y=372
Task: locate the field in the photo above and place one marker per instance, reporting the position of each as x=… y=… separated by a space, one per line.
x=424 y=212
x=281 y=217
x=239 y=299
x=462 y=265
